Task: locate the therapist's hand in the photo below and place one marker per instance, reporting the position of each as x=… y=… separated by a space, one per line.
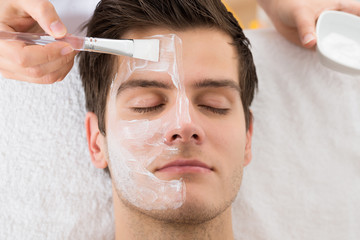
x=295 y=19
x=33 y=63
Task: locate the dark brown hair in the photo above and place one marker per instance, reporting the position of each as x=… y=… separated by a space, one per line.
x=114 y=18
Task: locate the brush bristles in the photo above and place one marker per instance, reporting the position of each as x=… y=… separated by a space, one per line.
x=147 y=49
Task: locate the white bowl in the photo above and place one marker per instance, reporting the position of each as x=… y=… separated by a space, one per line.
x=338 y=41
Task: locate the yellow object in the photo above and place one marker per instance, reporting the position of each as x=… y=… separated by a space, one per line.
x=254 y=24
x=236 y=17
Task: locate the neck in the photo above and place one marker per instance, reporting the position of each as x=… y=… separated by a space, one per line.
x=133 y=224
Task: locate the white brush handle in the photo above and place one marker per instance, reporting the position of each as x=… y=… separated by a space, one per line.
x=113 y=46
x=139 y=48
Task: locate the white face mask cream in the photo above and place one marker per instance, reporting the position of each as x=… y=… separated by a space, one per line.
x=342 y=48
x=135 y=143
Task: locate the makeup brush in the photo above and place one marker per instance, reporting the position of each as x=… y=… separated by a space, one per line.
x=146 y=49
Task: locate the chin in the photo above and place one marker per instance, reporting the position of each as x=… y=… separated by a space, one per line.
x=197 y=209
x=206 y=198
x=191 y=212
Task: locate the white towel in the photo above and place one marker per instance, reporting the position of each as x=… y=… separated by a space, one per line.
x=303 y=181
x=48 y=186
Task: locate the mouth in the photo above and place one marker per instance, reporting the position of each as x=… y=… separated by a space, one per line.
x=185 y=166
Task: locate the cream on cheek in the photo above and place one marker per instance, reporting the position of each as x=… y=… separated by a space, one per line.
x=133 y=144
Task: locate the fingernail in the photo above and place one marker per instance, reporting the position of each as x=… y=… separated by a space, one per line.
x=66 y=50
x=308 y=38
x=58 y=29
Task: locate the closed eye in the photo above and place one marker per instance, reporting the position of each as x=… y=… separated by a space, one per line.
x=148 y=109
x=220 y=111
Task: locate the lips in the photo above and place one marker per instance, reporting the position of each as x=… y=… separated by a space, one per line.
x=185 y=166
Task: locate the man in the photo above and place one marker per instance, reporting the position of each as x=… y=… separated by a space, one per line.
x=199 y=107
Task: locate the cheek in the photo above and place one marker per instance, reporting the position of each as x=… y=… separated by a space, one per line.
x=231 y=139
x=228 y=138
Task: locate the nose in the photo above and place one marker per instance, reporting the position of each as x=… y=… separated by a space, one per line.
x=185 y=133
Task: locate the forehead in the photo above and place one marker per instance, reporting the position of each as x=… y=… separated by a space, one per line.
x=205 y=53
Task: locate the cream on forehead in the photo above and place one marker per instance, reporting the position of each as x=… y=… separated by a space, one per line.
x=134 y=144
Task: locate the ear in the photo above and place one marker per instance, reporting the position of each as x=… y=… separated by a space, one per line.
x=249 y=134
x=96 y=141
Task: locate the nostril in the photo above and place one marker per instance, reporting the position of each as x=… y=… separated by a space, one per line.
x=175 y=136
x=185 y=137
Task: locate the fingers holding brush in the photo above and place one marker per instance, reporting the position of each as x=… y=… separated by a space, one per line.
x=42 y=74
x=33 y=63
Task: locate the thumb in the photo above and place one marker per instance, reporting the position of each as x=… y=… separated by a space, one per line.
x=45 y=14
x=305 y=23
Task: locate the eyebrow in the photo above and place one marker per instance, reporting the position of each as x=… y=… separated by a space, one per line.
x=213 y=83
x=142 y=83
x=206 y=83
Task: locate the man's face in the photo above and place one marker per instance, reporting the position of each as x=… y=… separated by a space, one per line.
x=210 y=135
